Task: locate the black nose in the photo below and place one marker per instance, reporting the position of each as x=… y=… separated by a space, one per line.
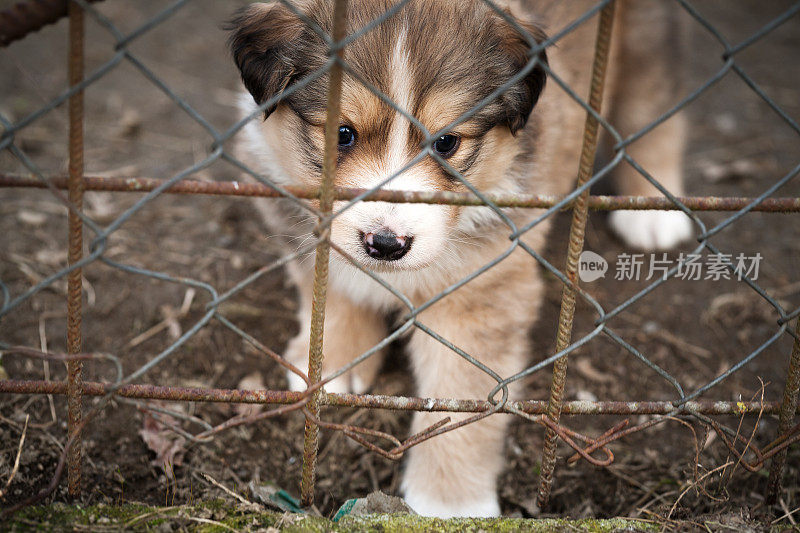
x=385 y=245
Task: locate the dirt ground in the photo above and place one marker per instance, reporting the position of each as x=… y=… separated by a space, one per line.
x=693 y=329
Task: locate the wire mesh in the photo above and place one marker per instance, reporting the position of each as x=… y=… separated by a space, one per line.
x=329 y=202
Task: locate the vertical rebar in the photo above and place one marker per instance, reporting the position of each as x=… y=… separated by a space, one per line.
x=74 y=341
x=786 y=419
x=576 y=235
x=311 y=436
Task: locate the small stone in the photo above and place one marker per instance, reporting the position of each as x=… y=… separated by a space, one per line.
x=585 y=396
x=725 y=123
x=380 y=503
x=130 y=123
x=31 y=218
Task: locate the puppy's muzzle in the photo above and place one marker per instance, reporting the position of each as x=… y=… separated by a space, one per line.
x=385 y=245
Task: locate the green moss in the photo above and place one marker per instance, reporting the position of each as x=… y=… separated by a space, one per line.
x=398 y=523
x=218 y=516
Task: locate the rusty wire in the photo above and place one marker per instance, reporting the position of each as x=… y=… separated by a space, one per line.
x=258 y=190
x=298 y=400
x=577 y=230
x=311 y=437
x=790 y=395
x=309 y=402
x=75 y=252
x=371 y=401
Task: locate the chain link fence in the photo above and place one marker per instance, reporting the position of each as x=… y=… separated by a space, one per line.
x=694 y=404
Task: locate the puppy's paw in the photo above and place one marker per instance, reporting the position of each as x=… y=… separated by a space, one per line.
x=343 y=384
x=357 y=380
x=426 y=504
x=651 y=230
x=297 y=354
x=349 y=382
x=296 y=383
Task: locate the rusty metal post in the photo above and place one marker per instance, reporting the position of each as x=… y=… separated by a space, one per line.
x=576 y=235
x=311 y=436
x=786 y=418
x=74 y=341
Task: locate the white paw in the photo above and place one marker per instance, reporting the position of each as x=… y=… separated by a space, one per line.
x=651 y=230
x=357 y=385
x=346 y=383
x=427 y=505
x=296 y=383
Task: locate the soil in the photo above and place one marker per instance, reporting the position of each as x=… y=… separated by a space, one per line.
x=693 y=329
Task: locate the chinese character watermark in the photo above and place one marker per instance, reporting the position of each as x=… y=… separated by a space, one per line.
x=692 y=267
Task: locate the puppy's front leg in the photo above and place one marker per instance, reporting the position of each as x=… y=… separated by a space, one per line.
x=455 y=474
x=350 y=330
x=648 y=83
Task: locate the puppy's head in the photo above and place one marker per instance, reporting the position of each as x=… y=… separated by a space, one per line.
x=436 y=61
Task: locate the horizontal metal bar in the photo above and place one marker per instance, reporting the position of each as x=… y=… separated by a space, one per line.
x=235 y=188
x=397 y=403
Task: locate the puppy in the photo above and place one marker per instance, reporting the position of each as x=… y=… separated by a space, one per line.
x=436 y=60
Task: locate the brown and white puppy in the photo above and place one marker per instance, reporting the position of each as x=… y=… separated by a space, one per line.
x=437 y=60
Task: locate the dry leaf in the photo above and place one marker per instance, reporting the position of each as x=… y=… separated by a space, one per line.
x=585 y=368
x=167 y=445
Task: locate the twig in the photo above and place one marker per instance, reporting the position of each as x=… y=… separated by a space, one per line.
x=755 y=428
x=351 y=420
x=681 y=344
x=16 y=461
x=206 y=521
x=788 y=514
x=660 y=520
x=148 y=515
x=46 y=367
x=656 y=498
x=786 y=290
x=758 y=418
x=675 y=341
x=169 y=321
x=693 y=483
x=228 y=491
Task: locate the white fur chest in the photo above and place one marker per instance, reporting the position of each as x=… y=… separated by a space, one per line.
x=364 y=290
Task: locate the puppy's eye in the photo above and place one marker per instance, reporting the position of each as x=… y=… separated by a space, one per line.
x=446 y=145
x=347 y=137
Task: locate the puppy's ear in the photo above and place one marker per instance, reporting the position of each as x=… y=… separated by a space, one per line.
x=520 y=98
x=261 y=37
